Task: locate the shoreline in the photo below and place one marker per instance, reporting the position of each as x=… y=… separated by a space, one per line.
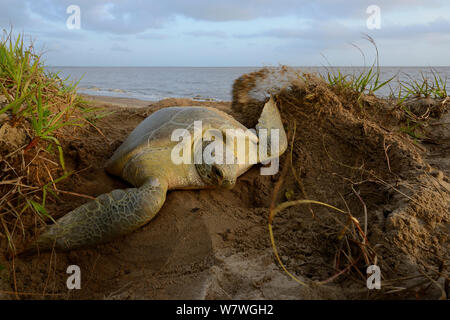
x=116 y=101
x=140 y=103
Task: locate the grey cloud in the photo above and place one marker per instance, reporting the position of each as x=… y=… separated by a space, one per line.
x=15 y=13
x=68 y=35
x=323 y=35
x=315 y=31
x=330 y=30
x=232 y=10
x=120 y=48
x=151 y=36
x=213 y=34
x=132 y=17
x=119 y=38
x=439 y=26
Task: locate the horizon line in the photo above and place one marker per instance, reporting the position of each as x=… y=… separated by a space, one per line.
x=322 y=66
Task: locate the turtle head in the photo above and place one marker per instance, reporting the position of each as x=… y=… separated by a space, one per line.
x=215 y=171
x=221 y=175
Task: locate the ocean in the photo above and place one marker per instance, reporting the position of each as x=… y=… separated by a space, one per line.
x=202 y=83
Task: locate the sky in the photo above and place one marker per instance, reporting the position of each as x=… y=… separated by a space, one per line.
x=233 y=32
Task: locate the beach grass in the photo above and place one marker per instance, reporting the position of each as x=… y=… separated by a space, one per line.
x=366 y=81
x=434 y=87
x=38 y=103
x=426 y=88
x=33 y=94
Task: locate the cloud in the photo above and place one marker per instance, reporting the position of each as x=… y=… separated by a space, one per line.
x=317 y=30
x=330 y=30
x=440 y=26
x=213 y=34
x=67 y=35
x=137 y=16
x=120 y=48
x=229 y=32
x=151 y=36
x=15 y=13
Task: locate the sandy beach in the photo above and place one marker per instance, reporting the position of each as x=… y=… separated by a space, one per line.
x=116 y=101
x=214 y=244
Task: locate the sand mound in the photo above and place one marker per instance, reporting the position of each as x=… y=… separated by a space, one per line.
x=355 y=157
x=213 y=244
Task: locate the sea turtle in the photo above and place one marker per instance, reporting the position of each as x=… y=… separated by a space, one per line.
x=145 y=161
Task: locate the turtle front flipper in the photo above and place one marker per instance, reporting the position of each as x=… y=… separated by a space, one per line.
x=272 y=137
x=108 y=216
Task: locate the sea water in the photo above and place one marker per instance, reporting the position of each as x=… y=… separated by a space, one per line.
x=205 y=83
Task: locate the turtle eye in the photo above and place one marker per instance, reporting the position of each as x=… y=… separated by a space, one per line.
x=217 y=172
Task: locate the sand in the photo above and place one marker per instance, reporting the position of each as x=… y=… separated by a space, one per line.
x=214 y=244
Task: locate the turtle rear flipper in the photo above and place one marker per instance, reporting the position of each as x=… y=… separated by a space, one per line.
x=107 y=217
x=270 y=128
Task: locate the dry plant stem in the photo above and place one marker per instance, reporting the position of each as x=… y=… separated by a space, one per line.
x=49 y=269
x=386 y=154
x=353 y=221
x=443 y=292
x=98 y=130
x=365 y=214
x=280 y=208
x=75 y=194
x=277 y=187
